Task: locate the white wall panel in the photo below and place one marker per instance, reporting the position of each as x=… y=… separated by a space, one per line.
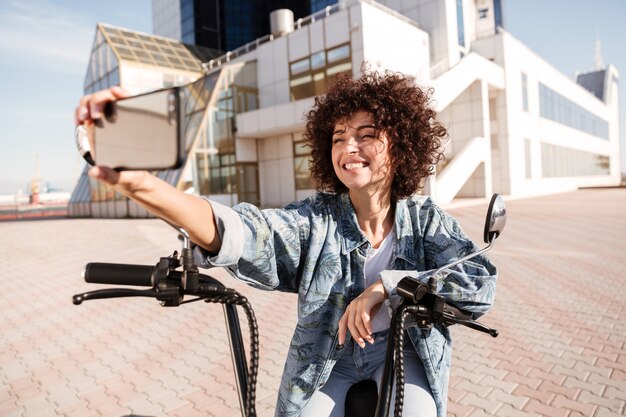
x=246 y=150
x=247 y=122
x=282 y=92
x=298 y=42
x=268 y=149
x=316 y=36
x=337 y=29
x=280 y=59
x=285 y=149
x=266 y=118
x=265 y=64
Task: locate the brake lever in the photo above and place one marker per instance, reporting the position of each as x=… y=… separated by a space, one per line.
x=452 y=315
x=473 y=325
x=112 y=293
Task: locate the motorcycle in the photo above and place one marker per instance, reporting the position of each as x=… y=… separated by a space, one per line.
x=176 y=276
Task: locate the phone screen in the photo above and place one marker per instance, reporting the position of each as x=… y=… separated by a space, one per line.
x=140 y=132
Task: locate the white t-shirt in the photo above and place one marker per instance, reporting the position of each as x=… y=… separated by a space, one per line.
x=379 y=259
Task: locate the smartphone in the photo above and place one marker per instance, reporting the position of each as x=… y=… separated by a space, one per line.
x=141 y=132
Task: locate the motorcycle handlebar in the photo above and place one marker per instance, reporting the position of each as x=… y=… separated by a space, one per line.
x=119 y=274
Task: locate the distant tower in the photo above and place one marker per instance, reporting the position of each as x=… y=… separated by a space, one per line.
x=35 y=184
x=598 y=63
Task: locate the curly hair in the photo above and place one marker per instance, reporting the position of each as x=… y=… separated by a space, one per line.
x=400 y=109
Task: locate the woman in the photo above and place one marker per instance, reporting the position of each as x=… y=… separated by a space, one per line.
x=374 y=141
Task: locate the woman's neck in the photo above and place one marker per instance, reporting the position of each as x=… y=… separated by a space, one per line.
x=374 y=214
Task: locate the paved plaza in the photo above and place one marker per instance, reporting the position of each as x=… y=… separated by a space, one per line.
x=560 y=309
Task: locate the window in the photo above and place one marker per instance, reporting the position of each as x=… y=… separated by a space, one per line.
x=497 y=11
x=248 y=183
x=555 y=107
x=460 y=22
x=310 y=76
x=524 y=92
x=216 y=173
x=302 y=174
x=559 y=161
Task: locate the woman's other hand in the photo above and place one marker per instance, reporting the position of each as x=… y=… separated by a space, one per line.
x=358 y=314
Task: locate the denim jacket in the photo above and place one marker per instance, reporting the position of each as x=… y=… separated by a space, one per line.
x=315 y=248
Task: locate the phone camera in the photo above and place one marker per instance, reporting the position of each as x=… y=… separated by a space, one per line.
x=110 y=112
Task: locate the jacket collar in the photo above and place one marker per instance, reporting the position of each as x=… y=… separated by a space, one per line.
x=352 y=237
x=405 y=233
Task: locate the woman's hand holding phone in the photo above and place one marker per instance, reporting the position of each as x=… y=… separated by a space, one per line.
x=91 y=109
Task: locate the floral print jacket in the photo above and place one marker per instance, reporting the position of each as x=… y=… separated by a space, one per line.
x=315 y=248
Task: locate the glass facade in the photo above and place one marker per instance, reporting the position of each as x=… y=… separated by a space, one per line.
x=497 y=11
x=113 y=45
x=555 y=107
x=228 y=24
x=240 y=24
x=217 y=170
x=187 y=24
x=103 y=69
x=559 y=161
x=166 y=18
x=310 y=76
x=460 y=23
x=317 y=5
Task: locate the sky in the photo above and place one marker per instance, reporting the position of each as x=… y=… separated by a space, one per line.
x=45 y=46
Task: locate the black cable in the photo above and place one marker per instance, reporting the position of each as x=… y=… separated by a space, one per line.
x=233 y=297
x=406 y=310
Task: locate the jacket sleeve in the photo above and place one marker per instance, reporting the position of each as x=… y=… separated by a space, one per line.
x=259 y=247
x=469 y=286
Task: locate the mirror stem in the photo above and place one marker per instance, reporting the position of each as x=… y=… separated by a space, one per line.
x=463 y=259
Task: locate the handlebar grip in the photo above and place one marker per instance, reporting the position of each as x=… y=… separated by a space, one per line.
x=118 y=274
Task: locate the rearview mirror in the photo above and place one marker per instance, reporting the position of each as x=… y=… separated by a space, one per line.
x=496 y=219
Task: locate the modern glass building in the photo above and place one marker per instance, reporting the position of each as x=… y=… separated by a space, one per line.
x=222 y=24
x=517 y=126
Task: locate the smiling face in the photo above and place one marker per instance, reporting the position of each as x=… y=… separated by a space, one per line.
x=360 y=154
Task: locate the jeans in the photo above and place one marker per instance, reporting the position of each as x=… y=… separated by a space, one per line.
x=358 y=364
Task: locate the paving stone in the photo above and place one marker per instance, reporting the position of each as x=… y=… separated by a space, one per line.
x=545 y=410
x=603 y=412
x=612 y=392
x=539 y=395
x=554 y=377
x=594 y=388
x=609 y=382
x=508 y=411
x=479 y=389
x=566 y=403
x=458 y=410
x=613 y=404
x=484 y=404
x=568 y=392
x=505 y=386
x=504 y=397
